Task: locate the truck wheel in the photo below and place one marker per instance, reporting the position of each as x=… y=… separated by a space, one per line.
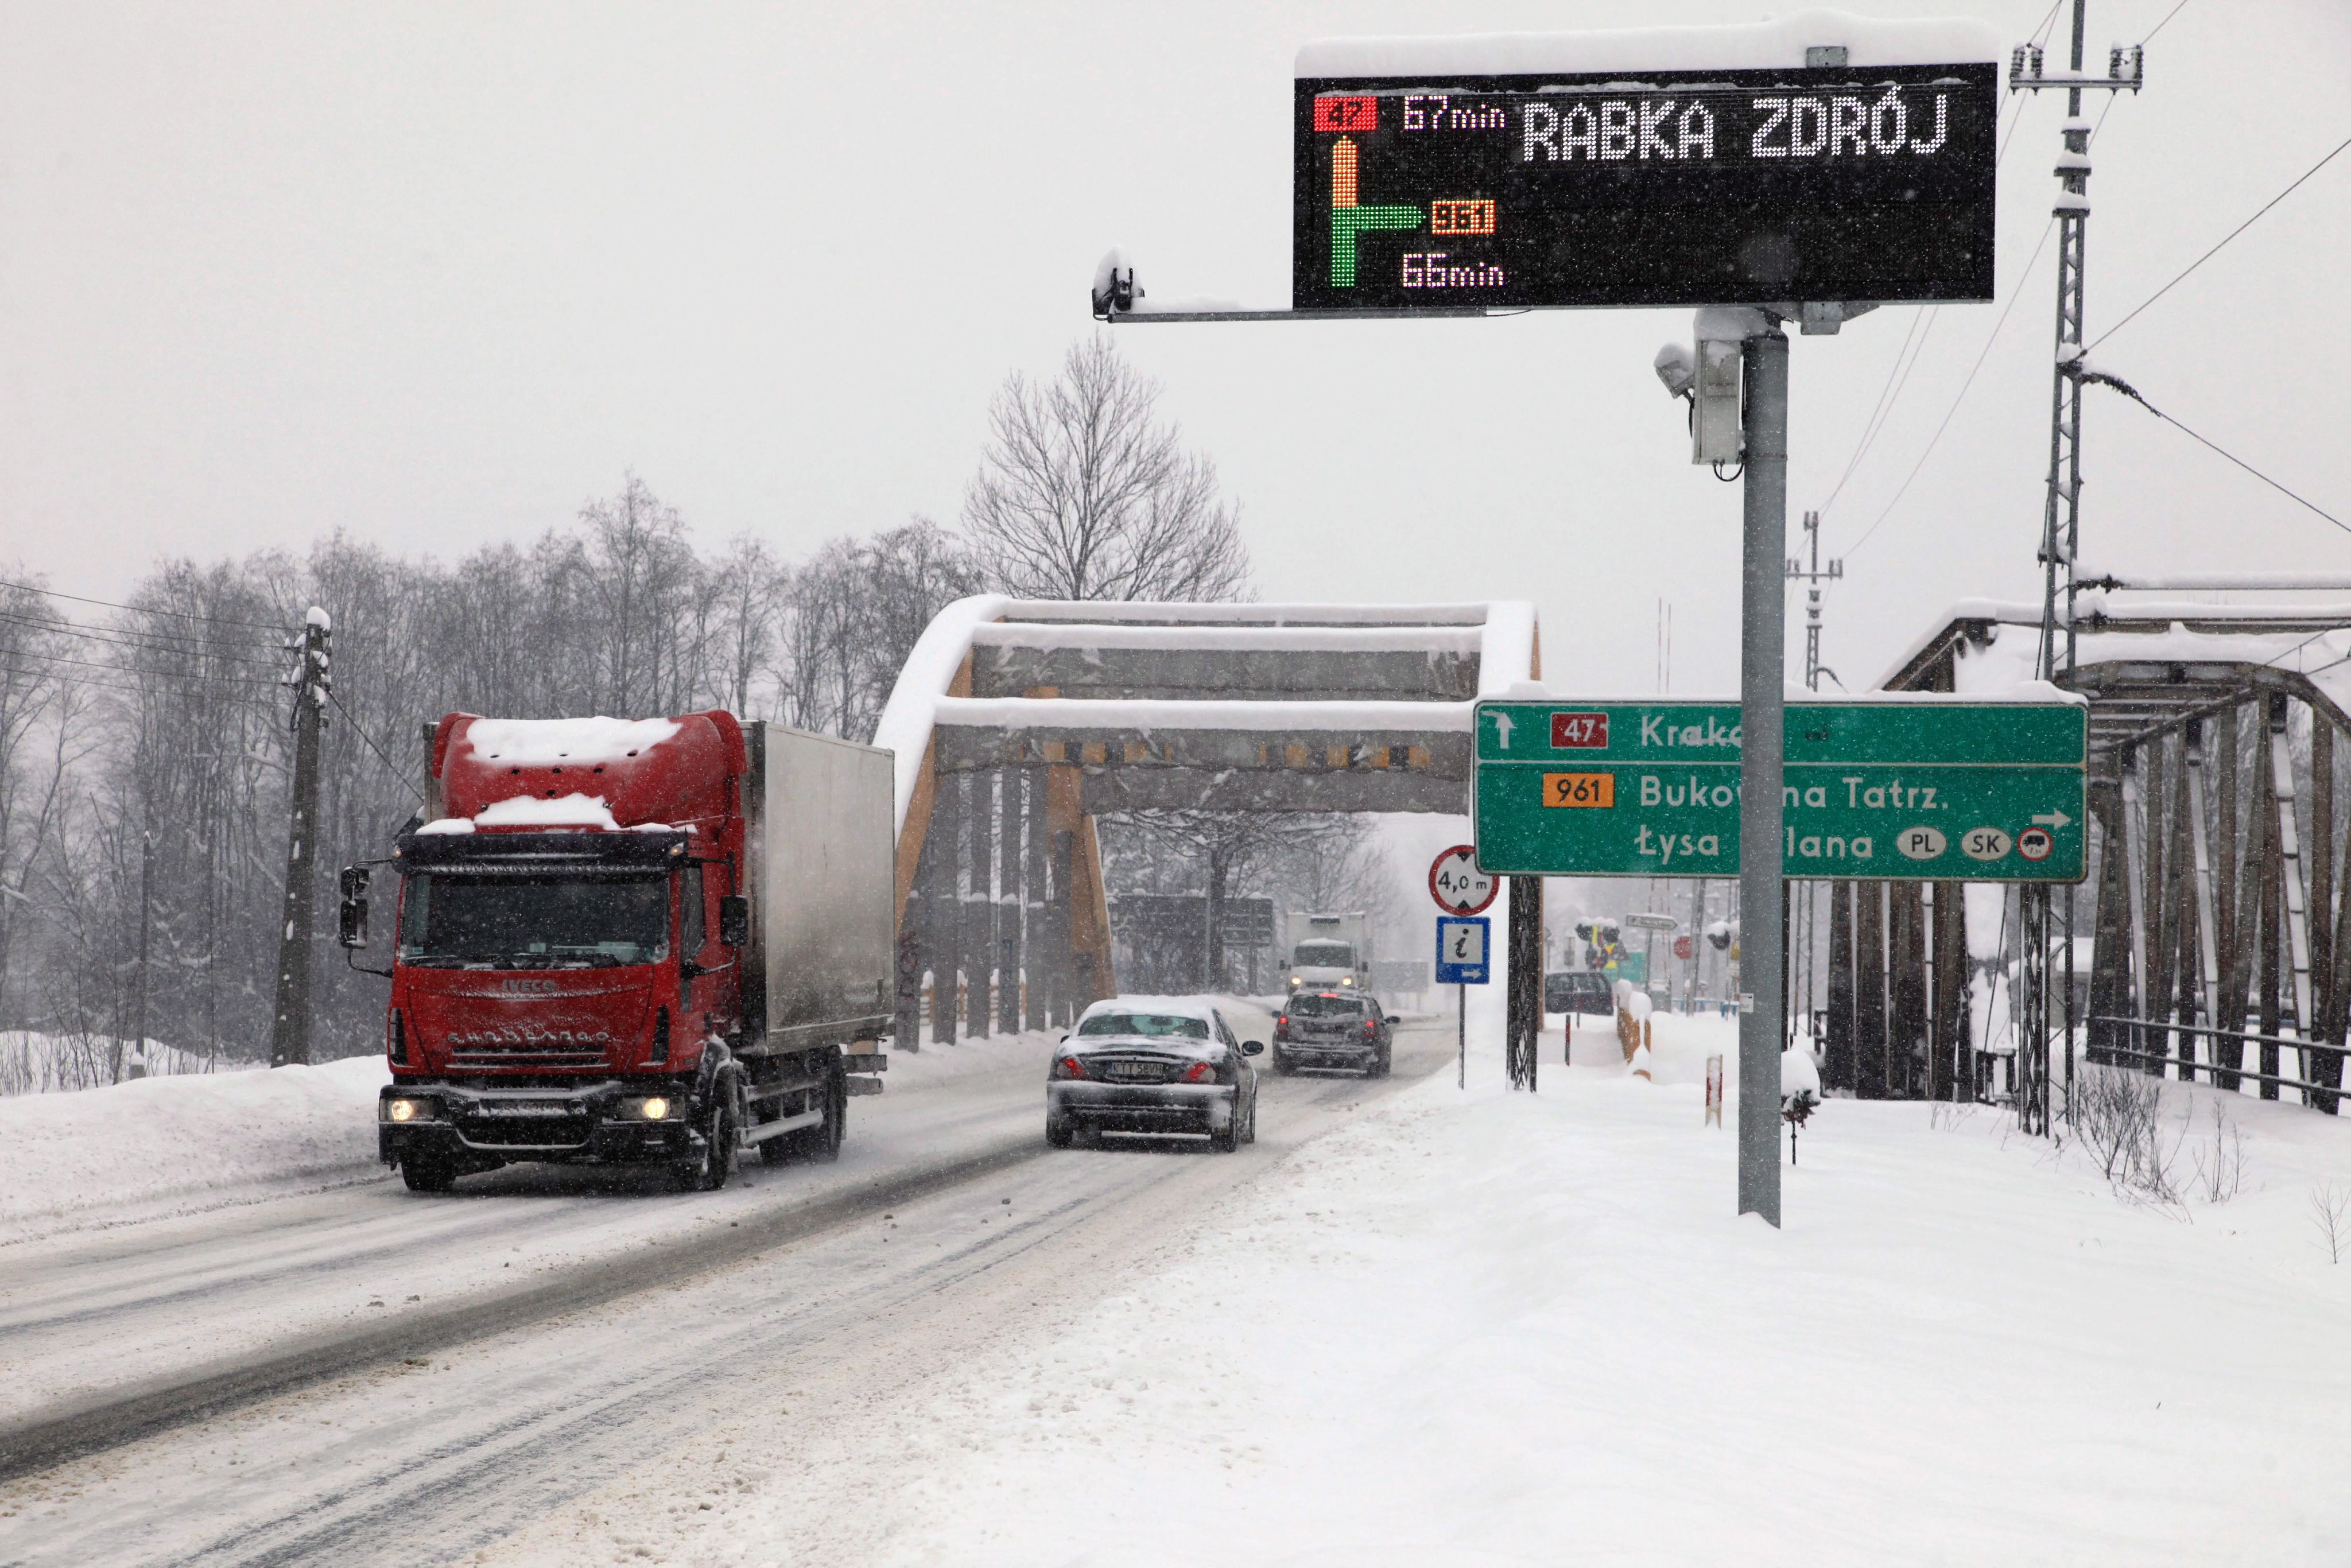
x=824 y=1142
x=428 y=1173
x=706 y=1169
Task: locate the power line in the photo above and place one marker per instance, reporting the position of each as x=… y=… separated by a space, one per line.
x=1891 y=393
x=186 y=649
x=2132 y=392
x=143 y=670
x=2015 y=295
x=361 y=731
x=1887 y=396
x=2167 y=15
x=278 y=627
x=2232 y=234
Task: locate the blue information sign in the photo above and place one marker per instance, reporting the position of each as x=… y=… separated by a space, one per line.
x=1461 y=950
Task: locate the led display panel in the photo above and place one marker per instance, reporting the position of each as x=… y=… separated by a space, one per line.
x=1721 y=187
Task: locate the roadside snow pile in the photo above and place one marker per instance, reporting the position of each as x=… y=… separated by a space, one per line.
x=1527 y=1329
x=33 y=1063
x=172 y=1144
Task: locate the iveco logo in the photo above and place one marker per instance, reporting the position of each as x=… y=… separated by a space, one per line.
x=526 y=987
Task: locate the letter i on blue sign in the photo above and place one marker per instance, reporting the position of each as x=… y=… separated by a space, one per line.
x=1461 y=950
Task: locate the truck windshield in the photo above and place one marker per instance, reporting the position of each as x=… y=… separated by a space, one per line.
x=533 y=921
x=1325 y=956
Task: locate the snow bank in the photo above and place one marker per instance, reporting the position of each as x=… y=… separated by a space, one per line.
x=1471 y=1328
x=163 y=1145
x=543 y=742
x=1761 y=46
x=34 y=1063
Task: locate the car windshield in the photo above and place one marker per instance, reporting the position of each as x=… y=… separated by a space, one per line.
x=533 y=921
x=1311 y=1004
x=1169 y=1026
x=1325 y=954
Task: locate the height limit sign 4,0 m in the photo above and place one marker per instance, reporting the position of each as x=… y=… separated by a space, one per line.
x=1456 y=883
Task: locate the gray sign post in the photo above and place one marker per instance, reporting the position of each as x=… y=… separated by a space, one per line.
x=1763 y=696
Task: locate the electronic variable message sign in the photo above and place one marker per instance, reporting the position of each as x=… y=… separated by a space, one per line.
x=1930 y=789
x=1691 y=187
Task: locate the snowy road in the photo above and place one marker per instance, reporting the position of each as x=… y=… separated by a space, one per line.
x=442 y=1405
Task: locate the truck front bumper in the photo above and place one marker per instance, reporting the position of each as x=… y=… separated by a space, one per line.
x=1143 y=1107
x=483 y=1128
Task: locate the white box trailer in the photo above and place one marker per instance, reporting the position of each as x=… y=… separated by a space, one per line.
x=823 y=848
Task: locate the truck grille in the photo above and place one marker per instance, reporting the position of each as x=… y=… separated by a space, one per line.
x=524 y=1131
x=508 y=1058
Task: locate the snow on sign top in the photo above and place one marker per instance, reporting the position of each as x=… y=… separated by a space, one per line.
x=543 y=742
x=1758 y=46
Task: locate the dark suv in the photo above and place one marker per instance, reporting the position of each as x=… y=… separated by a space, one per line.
x=1333 y=1028
x=1579 y=992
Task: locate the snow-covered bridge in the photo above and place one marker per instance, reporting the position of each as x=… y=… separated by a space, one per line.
x=1015 y=721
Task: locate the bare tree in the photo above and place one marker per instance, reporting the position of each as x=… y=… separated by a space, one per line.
x=1084 y=493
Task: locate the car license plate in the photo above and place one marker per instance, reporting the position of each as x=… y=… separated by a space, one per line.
x=1133 y=1071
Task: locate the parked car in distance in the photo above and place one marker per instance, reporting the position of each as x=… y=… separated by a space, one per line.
x=1333 y=1028
x=1579 y=992
x=1152 y=1064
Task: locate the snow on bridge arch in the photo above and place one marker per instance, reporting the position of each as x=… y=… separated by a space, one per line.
x=1079 y=708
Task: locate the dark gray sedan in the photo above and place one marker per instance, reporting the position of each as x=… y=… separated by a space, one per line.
x=1333 y=1028
x=1152 y=1064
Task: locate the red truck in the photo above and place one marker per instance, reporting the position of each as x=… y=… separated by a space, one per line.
x=630 y=941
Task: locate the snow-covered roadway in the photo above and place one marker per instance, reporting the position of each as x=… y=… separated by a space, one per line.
x=454 y=1367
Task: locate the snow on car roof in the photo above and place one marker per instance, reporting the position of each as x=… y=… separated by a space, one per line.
x=1200 y=1007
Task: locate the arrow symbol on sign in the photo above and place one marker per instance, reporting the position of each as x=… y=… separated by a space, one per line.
x=1502 y=722
x=2052 y=818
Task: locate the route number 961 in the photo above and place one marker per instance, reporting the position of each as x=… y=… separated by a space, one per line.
x=1596 y=790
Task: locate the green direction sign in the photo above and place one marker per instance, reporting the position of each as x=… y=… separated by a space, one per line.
x=1912 y=788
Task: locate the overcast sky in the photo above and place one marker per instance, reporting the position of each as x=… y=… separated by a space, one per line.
x=435 y=274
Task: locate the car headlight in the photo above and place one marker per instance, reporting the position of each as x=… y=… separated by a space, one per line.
x=409 y=1109
x=651 y=1108
x=1294 y=980
x=1346 y=979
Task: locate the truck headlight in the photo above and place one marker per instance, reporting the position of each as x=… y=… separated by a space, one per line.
x=407 y=1110
x=652 y=1108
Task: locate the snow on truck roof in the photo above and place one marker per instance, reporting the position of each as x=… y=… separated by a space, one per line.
x=543 y=742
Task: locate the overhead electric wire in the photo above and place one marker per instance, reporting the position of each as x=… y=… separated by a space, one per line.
x=279 y=627
x=1993 y=336
x=1891 y=393
x=2132 y=392
x=2232 y=234
x=2167 y=15
x=140 y=643
x=361 y=730
x=143 y=670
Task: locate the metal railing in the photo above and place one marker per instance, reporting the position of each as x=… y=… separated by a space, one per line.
x=2190 y=1066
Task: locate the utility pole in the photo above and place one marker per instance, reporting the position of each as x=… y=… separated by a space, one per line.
x=2060 y=524
x=1808 y=913
x=1812 y=577
x=146 y=908
x=289 y=1034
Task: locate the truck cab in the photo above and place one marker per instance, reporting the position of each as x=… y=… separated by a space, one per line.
x=1329 y=951
x=579 y=968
